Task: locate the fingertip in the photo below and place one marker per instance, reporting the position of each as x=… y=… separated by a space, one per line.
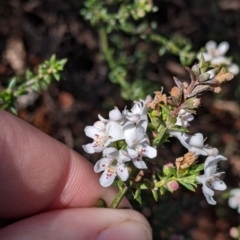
x=81 y=224
x=39 y=173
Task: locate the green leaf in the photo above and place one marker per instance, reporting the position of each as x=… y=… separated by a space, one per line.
x=179 y=128
x=155 y=195
x=12 y=83
x=172 y=171
x=52 y=58
x=62 y=62
x=56 y=76
x=187 y=185
x=102 y=203
x=203 y=65
x=36 y=88
x=160 y=136
x=137 y=195
x=144 y=186
x=183 y=172
x=162 y=190
x=14 y=110
x=197 y=168
x=159 y=176
x=189 y=179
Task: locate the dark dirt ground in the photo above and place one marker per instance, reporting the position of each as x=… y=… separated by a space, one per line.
x=35 y=29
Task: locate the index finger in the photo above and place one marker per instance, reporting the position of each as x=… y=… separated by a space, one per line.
x=38 y=173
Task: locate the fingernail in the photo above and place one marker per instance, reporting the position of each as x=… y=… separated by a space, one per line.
x=129 y=230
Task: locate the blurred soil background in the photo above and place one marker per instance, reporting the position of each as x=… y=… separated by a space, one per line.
x=31 y=31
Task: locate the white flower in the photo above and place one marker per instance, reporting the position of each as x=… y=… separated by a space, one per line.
x=214 y=51
x=114 y=115
x=233 y=68
x=183 y=118
x=234 y=200
x=210 y=180
x=216 y=56
x=138 y=143
x=194 y=143
x=102 y=135
x=112 y=165
x=138 y=111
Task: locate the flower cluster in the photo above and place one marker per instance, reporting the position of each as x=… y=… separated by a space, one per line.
x=216 y=56
x=128 y=140
x=210 y=179
x=129 y=126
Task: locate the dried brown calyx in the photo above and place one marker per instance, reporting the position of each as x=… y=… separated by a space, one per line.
x=186 y=161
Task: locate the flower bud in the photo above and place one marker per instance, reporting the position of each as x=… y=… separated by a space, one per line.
x=166 y=167
x=204 y=77
x=234 y=232
x=172 y=186
x=196 y=70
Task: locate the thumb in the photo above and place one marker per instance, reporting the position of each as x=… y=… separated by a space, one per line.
x=81 y=224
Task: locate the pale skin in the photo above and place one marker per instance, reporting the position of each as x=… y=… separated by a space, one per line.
x=48 y=191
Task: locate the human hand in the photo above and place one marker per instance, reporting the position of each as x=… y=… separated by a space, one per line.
x=48 y=191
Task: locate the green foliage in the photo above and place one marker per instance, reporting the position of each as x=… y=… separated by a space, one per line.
x=128 y=39
x=186 y=177
x=102 y=203
x=47 y=72
x=137 y=195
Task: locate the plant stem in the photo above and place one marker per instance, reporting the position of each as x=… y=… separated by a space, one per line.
x=104 y=44
x=119 y=197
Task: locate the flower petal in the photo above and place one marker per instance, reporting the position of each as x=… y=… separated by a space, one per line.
x=235 y=191
x=207 y=191
x=212 y=73
x=139 y=163
x=98 y=146
x=111 y=151
x=130 y=133
x=233 y=203
x=149 y=151
x=133 y=117
x=209 y=151
x=206 y=151
x=115 y=115
x=91 y=131
x=107 y=177
x=102 y=119
x=115 y=131
x=233 y=68
x=207 y=57
x=211 y=46
x=132 y=153
x=99 y=125
x=141 y=133
x=182 y=137
x=223 y=47
x=101 y=165
x=142 y=124
x=88 y=148
x=210 y=200
x=136 y=109
x=210 y=164
x=218 y=185
x=220 y=60
x=197 y=140
x=122 y=172
x=123 y=156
